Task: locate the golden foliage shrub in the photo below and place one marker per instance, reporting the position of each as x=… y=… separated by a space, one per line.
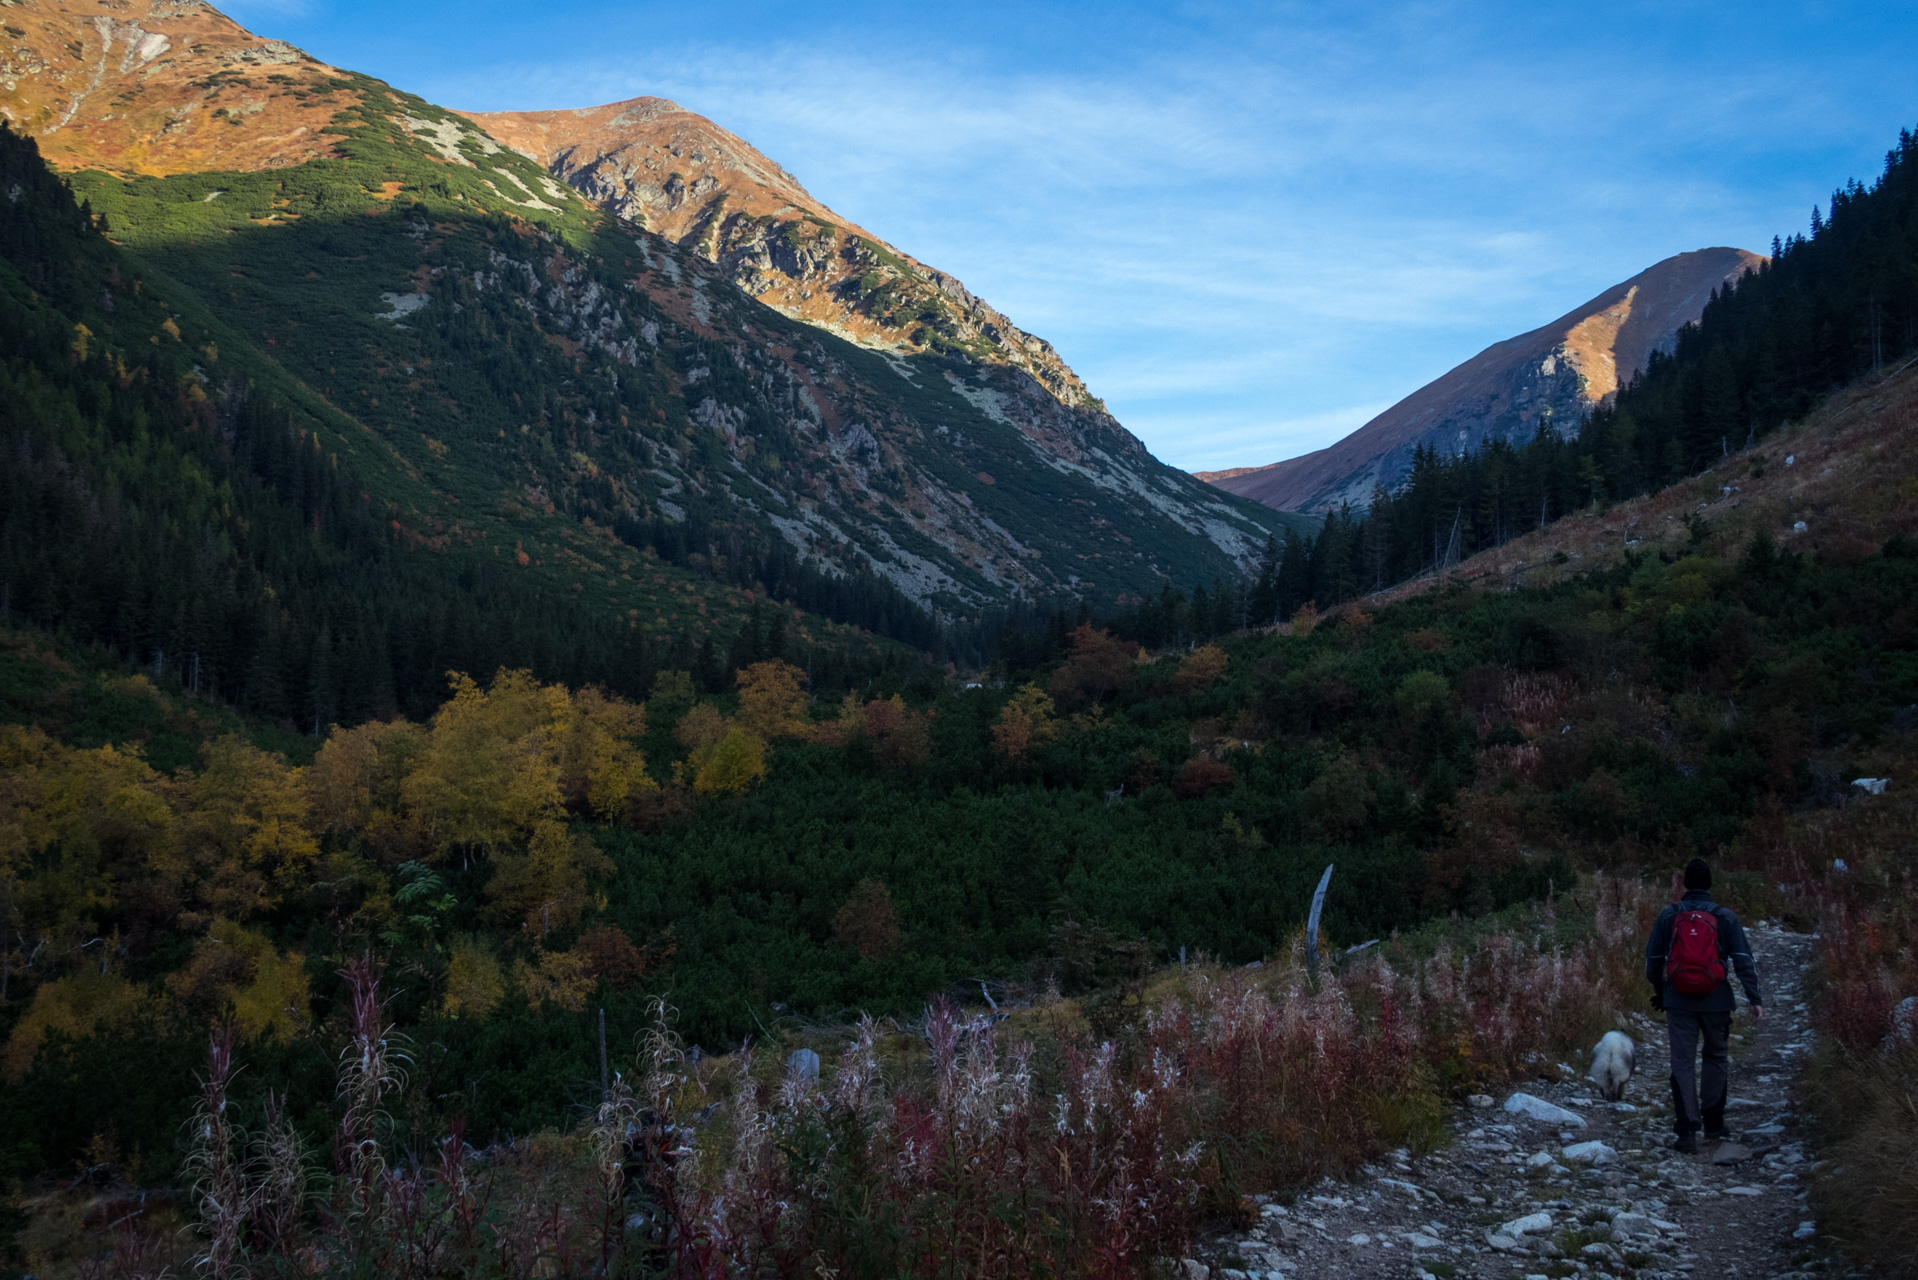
x=600 y=769
x=732 y=765
x=74 y=1006
x=772 y=700
x=554 y=977
x=1200 y=669
x=490 y=770
x=475 y=983
x=356 y=784
x=1025 y=723
x=501 y=761
x=699 y=729
x=236 y=970
x=544 y=887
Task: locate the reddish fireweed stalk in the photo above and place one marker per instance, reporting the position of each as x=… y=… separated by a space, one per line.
x=372 y=1065
x=220 y=1186
x=1081 y=1158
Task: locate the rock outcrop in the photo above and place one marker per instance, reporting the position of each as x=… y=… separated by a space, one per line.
x=1551 y=377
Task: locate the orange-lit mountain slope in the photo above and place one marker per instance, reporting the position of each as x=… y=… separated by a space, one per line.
x=677 y=173
x=1553 y=375
x=161 y=87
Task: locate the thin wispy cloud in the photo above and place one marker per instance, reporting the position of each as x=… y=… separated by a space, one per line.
x=1244 y=229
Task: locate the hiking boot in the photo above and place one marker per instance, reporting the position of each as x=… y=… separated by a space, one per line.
x=1718 y=1135
x=1687 y=1144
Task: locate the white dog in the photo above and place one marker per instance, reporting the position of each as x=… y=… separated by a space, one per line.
x=1612 y=1061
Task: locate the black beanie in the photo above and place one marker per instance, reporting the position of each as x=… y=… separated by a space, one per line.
x=1697 y=874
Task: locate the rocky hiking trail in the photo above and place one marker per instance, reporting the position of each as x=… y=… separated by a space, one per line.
x=1552 y=1181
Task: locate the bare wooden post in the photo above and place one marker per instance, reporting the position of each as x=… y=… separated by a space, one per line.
x=602 y=1051
x=1312 y=923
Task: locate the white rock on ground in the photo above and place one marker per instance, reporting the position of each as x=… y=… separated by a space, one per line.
x=1524 y=1104
x=1593 y=1152
x=1530 y=1224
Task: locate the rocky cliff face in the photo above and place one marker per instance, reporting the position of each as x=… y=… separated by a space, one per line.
x=1549 y=377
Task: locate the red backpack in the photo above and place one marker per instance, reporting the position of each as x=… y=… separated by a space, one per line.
x=1693 y=966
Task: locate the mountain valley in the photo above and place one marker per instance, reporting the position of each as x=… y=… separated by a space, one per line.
x=567 y=711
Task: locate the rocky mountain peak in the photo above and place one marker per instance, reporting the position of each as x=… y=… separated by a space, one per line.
x=676 y=173
x=1552 y=376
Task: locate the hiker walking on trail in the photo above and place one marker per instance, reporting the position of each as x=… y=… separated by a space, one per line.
x=1686 y=964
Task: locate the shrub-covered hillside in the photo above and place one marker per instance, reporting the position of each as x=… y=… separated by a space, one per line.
x=529 y=854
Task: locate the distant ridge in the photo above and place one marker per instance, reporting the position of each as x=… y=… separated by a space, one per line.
x=1554 y=374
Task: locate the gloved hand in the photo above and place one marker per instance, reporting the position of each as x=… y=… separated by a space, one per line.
x=1658 y=1001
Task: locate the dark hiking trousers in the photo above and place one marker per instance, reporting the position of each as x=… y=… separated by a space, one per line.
x=1686 y=1029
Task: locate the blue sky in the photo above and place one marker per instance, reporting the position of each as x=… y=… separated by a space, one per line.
x=1248 y=227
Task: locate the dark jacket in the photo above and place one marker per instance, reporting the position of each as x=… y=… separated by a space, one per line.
x=1732 y=948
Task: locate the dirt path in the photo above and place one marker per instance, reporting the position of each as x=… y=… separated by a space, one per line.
x=1516 y=1195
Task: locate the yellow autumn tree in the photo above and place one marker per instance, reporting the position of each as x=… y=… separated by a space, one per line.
x=731 y=765
x=699 y=729
x=234 y=969
x=244 y=832
x=1024 y=723
x=772 y=700
x=491 y=768
x=599 y=767
x=66 y=818
x=356 y=784
x=73 y=1006
x=557 y=978
x=474 y=980
x=1200 y=669
x=545 y=887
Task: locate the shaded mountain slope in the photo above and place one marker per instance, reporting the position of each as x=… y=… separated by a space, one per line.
x=1550 y=377
x=533 y=369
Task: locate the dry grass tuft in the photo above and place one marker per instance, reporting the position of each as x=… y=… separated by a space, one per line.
x=1866 y=1194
